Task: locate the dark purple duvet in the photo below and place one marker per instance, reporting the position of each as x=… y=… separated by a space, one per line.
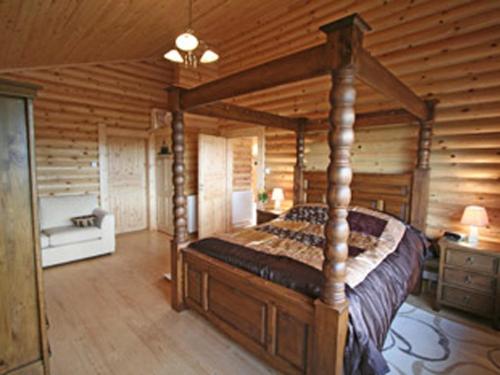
x=372 y=304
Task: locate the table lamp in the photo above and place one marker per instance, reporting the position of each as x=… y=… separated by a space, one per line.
x=277 y=196
x=476 y=217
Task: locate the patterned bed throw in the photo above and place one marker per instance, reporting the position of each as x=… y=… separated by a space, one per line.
x=298 y=234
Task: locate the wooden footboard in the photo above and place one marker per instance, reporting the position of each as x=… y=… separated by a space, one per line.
x=271 y=321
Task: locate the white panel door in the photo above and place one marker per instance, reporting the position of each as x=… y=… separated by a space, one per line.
x=212 y=185
x=127 y=183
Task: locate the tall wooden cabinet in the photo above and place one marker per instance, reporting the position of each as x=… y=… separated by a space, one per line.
x=23 y=340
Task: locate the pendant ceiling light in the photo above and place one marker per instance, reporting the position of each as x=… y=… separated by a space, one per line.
x=187 y=47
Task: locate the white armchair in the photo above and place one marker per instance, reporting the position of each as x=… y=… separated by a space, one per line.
x=61 y=241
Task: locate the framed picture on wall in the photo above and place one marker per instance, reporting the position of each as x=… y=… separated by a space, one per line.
x=160 y=118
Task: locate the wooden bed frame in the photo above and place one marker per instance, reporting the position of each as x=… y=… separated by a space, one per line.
x=290 y=331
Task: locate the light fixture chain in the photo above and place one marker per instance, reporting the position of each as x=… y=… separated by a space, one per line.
x=190 y=14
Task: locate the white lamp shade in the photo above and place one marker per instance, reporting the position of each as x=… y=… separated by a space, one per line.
x=187 y=41
x=174 y=55
x=475 y=215
x=278 y=194
x=209 y=56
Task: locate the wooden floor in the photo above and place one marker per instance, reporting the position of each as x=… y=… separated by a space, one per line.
x=111 y=315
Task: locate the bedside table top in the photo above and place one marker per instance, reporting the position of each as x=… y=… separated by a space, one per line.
x=271 y=210
x=481 y=246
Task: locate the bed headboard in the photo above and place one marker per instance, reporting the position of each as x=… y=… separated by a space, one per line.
x=388 y=192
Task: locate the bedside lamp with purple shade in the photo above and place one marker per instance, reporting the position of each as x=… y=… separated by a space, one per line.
x=476 y=217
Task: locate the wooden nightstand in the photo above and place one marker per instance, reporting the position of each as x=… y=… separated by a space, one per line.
x=469 y=278
x=265 y=215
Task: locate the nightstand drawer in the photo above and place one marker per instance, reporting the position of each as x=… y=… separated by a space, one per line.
x=469 y=280
x=472 y=261
x=478 y=303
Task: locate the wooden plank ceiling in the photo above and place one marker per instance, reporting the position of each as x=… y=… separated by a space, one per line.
x=47 y=33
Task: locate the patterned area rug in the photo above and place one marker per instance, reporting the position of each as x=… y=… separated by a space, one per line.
x=422 y=343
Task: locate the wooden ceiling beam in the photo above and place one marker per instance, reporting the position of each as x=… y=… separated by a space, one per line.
x=310 y=63
x=378 y=118
x=295 y=67
x=377 y=76
x=343 y=49
x=236 y=113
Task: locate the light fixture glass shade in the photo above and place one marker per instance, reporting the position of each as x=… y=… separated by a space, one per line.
x=209 y=56
x=187 y=41
x=174 y=55
x=475 y=215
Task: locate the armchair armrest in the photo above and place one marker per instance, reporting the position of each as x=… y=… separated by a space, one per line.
x=106 y=221
x=103 y=217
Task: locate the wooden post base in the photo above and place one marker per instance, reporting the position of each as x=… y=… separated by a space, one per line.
x=177 y=272
x=330 y=332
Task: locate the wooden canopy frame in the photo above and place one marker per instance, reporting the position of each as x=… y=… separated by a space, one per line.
x=344 y=58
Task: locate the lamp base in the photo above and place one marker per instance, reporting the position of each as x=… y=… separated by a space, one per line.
x=277 y=205
x=472 y=239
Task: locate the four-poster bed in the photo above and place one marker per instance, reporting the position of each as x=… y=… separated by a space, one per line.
x=294 y=332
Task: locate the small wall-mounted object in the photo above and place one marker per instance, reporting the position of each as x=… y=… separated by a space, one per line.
x=164 y=150
x=159 y=118
x=93 y=164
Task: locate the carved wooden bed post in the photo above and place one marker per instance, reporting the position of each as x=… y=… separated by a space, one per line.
x=179 y=199
x=331 y=310
x=421 y=175
x=298 y=176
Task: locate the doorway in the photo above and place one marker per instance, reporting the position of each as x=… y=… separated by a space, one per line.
x=127 y=182
x=230 y=174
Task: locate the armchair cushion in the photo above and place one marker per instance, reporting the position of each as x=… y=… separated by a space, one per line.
x=84 y=221
x=71 y=234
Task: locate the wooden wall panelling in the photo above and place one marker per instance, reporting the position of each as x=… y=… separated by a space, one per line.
x=67 y=160
x=444 y=50
x=242 y=164
x=74 y=103
x=280 y=161
x=151 y=175
x=103 y=167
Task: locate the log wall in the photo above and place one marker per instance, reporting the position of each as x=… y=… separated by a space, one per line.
x=447 y=50
x=74 y=101
x=71 y=105
x=242 y=164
